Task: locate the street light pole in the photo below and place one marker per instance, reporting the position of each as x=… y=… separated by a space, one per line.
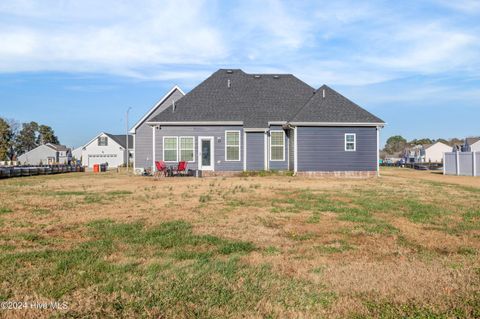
x=126 y=137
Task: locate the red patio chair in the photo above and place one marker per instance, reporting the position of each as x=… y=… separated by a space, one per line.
x=181 y=168
x=161 y=167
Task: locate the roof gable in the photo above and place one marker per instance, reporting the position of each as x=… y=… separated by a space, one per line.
x=327 y=105
x=121 y=140
x=471 y=140
x=156 y=106
x=118 y=139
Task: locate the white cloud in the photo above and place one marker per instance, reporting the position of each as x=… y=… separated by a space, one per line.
x=160 y=35
x=344 y=42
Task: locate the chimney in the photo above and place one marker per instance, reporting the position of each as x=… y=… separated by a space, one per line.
x=229 y=83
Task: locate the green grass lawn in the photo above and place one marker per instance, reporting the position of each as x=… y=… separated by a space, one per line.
x=404 y=245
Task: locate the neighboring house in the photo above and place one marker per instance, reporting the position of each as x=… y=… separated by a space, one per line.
x=143 y=134
x=431 y=153
x=107 y=148
x=472 y=144
x=46 y=154
x=234 y=121
x=77 y=154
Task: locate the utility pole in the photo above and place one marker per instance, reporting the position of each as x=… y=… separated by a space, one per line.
x=126 y=137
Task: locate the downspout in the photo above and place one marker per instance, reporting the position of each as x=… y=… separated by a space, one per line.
x=378 y=151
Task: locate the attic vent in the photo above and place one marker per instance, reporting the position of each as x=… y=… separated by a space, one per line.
x=229 y=83
x=323 y=93
x=257 y=76
x=276 y=77
x=229 y=71
x=173 y=106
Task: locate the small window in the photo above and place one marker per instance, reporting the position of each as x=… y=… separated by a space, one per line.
x=350 y=142
x=187 y=149
x=277 y=145
x=102 y=141
x=232 y=145
x=170 y=153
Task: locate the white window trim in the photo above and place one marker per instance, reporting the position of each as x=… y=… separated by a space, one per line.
x=178 y=148
x=283 y=139
x=239 y=145
x=163 y=148
x=100 y=138
x=354 y=142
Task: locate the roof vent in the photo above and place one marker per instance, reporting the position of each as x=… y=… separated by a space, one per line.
x=257 y=76
x=229 y=71
x=276 y=77
x=229 y=83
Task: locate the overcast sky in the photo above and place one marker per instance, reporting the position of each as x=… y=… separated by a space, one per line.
x=78 y=65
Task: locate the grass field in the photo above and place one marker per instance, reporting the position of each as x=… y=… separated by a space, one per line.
x=406 y=244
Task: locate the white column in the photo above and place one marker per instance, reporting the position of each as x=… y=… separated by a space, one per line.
x=153 y=149
x=265 y=150
x=244 y=150
x=378 y=151
x=295 y=147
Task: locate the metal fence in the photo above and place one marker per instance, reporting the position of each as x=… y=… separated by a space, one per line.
x=462 y=163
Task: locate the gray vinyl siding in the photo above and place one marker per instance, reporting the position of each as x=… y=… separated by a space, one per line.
x=255 y=151
x=279 y=165
x=218 y=132
x=143 y=135
x=323 y=149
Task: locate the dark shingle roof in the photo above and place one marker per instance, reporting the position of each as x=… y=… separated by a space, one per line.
x=57 y=147
x=120 y=139
x=233 y=95
x=471 y=140
x=334 y=107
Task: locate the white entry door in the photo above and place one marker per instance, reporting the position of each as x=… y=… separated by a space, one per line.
x=206 y=153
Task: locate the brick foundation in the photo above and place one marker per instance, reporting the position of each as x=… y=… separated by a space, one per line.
x=360 y=174
x=346 y=174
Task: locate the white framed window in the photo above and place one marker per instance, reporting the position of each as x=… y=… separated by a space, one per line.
x=170 y=148
x=187 y=148
x=232 y=145
x=102 y=141
x=350 y=142
x=277 y=145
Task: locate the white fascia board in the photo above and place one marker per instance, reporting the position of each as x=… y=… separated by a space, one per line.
x=166 y=96
x=255 y=129
x=336 y=124
x=197 y=123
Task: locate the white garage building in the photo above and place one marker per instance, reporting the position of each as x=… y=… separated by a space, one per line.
x=107 y=148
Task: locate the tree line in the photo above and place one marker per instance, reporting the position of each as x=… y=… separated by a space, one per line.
x=398 y=143
x=17 y=139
